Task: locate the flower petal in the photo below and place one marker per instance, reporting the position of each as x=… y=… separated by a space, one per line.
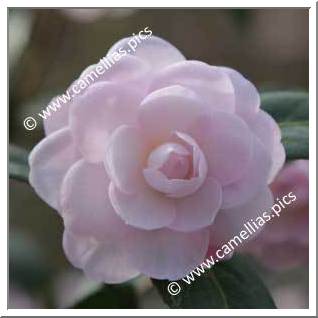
x=144 y=209
x=177 y=188
x=199 y=209
x=278 y=160
x=220 y=136
x=208 y=82
x=124 y=157
x=230 y=222
x=155 y=51
x=253 y=180
x=101 y=261
x=247 y=99
x=103 y=107
x=170 y=109
x=57 y=119
x=167 y=254
x=86 y=208
x=49 y=161
x=266 y=129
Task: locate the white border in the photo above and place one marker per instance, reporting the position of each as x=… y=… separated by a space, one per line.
x=157 y=312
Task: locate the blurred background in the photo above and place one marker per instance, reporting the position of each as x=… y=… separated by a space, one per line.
x=48 y=49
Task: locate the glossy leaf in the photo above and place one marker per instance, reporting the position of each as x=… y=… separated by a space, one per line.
x=295 y=138
x=230 y=284
x=286 y=105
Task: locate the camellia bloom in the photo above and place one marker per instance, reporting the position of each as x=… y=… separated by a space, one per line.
x=284 y=242
x=157 y=162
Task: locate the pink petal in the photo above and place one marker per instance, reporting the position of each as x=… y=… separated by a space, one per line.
x=173 y=188
x=145 y=209
x=230 y=222
x=86 y=208
x=209 y=82
x=177 y=188
x=253 y=180
x=226 y=142
x=128 y=69
x=167 y=254
x=199 y=209
x=101 y=261
x=49 y=161
x=170 y=109
x=266 y=129
x=153 y=50
x=124 y=156
x=278 y=160
x=58 y=119
x=247 y=100
x=95 y=114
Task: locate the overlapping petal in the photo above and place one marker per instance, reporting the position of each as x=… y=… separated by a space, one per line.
x=145 y=208
x=153 y=50
x=170 y=109
x=247 y=99
x=49 y=161
x=230 y=222
x=209 y=82
x=103 y=107
x=105 y=261
x=167 y=254
x=199 y=209
x=253 y=180
x=220 y=136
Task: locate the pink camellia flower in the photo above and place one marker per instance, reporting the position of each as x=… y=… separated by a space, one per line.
x=284 y=242
x=155 y=163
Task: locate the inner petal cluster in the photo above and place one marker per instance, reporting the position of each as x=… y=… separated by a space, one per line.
x=172 y=159
x=176 y=168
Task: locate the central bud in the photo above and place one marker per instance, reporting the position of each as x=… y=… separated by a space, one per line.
x=172 y=159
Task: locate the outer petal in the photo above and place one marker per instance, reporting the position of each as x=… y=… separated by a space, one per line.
x=128 y=70
x=167 y=254
x=86 y=208
x=125 y=155
x=247 y=100
x=101 y=261
x=268 y=132
x=200 y=209
x=266 y=129
x=278 y=160
x=170 y=109
x=156 y=51
x=57 y=120
x=253 y=180
x=95 y=237
x=209 y=82
x=226 y=141
x=49 y=161
x=230 y=222
x=93 y=116
x=145 y=209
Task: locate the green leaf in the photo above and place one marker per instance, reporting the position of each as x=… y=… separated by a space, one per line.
x=295 y=138
x=230 y=284
x=18 y=163
x=286 y=105
x=110 y=297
